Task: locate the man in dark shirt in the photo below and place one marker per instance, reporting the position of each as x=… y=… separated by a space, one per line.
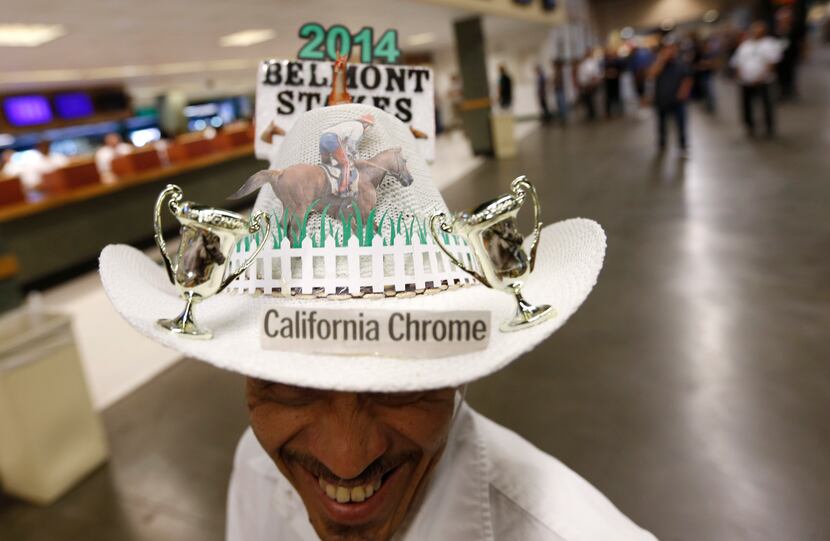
x=672 y=83
x=612 y=70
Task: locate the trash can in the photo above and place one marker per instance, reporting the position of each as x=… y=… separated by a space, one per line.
x=504 y=139
x=50 y=436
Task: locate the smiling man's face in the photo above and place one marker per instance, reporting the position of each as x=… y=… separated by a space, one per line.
x=358 y=460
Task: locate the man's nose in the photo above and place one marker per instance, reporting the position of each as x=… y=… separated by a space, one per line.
x=348 y=437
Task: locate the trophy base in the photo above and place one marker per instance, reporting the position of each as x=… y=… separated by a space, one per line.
x=187 y=329
x=528 y=316
x=185 y=325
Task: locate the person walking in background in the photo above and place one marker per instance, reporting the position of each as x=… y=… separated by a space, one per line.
x=672 y=85
x=587 y=80
x=641 y=60
x=754 y=62
x=705 y=66
x=612 y=70
x=791 y=39
x=542 y=93
x=559 y=90
x=505 y=88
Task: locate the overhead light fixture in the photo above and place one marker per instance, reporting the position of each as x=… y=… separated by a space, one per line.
x=29 y=35
x=420 y=39
x=247 y=38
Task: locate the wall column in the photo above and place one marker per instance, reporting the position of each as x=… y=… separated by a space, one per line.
x=472 y=63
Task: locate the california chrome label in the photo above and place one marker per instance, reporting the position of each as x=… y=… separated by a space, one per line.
x=395 y=333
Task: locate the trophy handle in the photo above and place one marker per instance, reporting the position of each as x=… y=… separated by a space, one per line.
x=441 y=217
x=175 y=194
x=256 y=225
x=520 y=186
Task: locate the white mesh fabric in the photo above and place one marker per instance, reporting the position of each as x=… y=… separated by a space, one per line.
x=421 y=199
x=301 y=145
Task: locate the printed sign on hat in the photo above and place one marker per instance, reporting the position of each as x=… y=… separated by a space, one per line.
x=286 y=89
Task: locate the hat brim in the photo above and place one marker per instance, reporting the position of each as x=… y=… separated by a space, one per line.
x=569 y=258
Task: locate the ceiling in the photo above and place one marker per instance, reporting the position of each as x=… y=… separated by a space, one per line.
x=154 y=43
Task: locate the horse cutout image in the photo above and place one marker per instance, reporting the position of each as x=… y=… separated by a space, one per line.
x=202 y=250
x=302 y=185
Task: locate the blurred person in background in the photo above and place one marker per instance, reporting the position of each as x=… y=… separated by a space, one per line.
x=6 y=165
x=588 y=76
x=612 y=70
x=542 y=93
x=754 y=62
x=791 y=39
x=672 y=85
x=34 y=164
x=505 y=88
x=705 y=64
x=641 y=59
x=559 y=90
x=113 y=146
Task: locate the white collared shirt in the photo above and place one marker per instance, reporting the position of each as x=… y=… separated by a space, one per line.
x=490 y=485
x=588 y=72
x=754 y=58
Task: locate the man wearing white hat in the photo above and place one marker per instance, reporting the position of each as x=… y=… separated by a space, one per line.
x=355 y=439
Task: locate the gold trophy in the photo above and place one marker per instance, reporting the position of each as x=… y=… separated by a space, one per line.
x=496 y=243
x=207 y=237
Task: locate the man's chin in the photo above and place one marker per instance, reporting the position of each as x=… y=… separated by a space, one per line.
x=332 y=531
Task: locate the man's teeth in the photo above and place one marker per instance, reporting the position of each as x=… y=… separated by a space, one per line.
x=346 y=495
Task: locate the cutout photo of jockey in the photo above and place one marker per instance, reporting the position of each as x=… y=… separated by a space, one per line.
x=338 y=152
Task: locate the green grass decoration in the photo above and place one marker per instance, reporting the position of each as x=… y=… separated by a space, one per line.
x=392 y=226
x=352 y=223
x=321 y=241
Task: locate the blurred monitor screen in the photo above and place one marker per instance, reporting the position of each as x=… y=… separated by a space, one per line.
x=110 y=101
x=31 y=110
x=72 y=105
x=76 y=146
x=140 y=138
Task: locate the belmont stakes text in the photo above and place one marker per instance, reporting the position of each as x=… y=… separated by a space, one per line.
x=314 y=84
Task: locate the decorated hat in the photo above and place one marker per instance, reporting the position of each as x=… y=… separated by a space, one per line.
x=350 y=251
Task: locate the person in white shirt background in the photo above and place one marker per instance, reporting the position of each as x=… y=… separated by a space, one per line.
x=754 y=62
x=32 y=165
x=113 y=146
x=588 y=76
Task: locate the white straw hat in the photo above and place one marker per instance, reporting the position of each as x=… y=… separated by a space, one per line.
x=391 y=268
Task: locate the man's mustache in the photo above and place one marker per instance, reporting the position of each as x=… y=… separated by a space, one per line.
x=373 y=471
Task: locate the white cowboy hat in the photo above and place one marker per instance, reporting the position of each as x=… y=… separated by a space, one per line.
x=569 y=257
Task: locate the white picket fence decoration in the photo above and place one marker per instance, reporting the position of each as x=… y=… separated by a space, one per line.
x=412 y=265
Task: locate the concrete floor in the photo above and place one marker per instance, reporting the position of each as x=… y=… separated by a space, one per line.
x=693 y=387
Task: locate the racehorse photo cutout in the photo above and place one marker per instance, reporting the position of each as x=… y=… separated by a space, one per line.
x=300 y=185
